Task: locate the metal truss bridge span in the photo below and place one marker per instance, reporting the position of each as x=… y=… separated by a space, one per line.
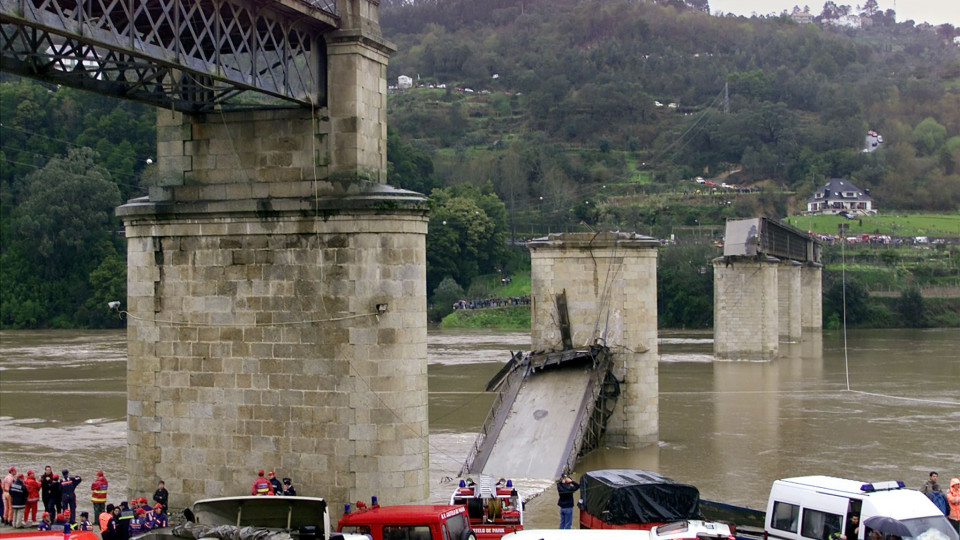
x=189 y=55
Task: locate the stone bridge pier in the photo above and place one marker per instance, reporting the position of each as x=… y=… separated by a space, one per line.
x=277 y=299
x=609 y=281
x=767 y=290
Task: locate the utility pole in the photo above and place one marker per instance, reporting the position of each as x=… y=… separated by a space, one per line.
x=726 y=97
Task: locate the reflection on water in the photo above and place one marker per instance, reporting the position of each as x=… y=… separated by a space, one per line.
x=729 y=428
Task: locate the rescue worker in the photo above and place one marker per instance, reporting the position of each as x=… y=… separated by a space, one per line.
x=104 y=518
x=123 y=521
x=7 y=503
x=18 y=499
x=68 y=495
x=159 y=516
x=98 y=493
x=45 y=523
x=33 y=497
x=161 y=495
x=136 y=523
x=84 y=523
x=261 y=486
x=108 y=528
x=142 y=503
x=274 y=483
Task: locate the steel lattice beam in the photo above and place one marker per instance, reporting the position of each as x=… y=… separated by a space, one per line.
x=189 y=55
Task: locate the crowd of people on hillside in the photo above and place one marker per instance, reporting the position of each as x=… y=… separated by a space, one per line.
x=480 y=303
x=23 y=494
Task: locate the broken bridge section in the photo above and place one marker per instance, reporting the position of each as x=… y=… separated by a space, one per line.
x=551 y=408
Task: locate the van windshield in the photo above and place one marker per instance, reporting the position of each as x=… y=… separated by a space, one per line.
x=931 y=528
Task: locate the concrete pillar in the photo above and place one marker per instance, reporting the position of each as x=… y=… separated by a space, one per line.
x=788 y=303
x=610 y=280
x=357 y=57
x=745 y=308
x=277 y=298
x=811 y=297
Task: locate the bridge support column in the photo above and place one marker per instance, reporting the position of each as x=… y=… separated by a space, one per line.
x=277 y=298
x=610 y=281
x=745 y=308
x=811 y=297
x=789 y=300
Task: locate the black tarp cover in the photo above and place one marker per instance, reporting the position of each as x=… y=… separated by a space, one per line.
x=623 y=496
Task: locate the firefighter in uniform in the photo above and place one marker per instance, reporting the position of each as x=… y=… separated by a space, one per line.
x=261 y=486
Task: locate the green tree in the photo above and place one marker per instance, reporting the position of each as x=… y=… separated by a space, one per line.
x=468 y=232
x=929 y=135
x=63 y=230
x=910 y=308
x=852 y=298
x=444 y=296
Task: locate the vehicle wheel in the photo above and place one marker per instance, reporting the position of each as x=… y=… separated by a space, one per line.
x=468 y=534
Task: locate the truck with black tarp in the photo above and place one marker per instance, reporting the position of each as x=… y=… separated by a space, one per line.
x=634 y=499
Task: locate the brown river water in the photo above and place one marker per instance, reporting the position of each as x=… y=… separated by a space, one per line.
x=730 y=428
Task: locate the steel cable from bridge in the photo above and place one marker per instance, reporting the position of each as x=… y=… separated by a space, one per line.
x=424 y=438
x=171 y=322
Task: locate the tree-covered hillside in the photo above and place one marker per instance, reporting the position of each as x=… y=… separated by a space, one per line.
x=561 y=101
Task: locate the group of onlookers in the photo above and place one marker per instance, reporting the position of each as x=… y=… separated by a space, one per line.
x=23 y=493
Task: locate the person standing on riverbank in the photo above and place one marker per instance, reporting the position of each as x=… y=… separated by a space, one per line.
x=260 y=485
x=161 y=495
x=68 y=495
x=931 y=484
x=98 y=494
x=46 y=490
x=566 y=487
x=33 y=498
x=7 y=503
x=18 y=498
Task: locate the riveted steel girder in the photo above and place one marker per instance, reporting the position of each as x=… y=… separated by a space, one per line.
x=188 y=55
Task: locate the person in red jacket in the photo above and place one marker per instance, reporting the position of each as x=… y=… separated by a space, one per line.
x=98 y=494
x=261 y=486
x=33 y=498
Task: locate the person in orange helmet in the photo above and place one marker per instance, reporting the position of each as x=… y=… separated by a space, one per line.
x=33 y=497
x=261 y=486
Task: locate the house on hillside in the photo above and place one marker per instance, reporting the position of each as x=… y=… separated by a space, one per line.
x=840 y=196
x=404 y=82
x=802 y=17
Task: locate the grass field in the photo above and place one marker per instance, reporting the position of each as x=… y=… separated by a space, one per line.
x=931 y=225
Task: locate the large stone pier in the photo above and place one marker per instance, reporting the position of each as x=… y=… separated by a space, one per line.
x=277 y=299
x=766 y=290
x=610 y=284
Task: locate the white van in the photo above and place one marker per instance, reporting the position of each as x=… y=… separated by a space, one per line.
x=690 y=529
x=819 y=508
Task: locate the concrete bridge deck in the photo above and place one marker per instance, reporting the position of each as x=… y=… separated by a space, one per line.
x=549 y=411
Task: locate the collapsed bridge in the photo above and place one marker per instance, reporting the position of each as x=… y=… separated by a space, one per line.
x=594 y=325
